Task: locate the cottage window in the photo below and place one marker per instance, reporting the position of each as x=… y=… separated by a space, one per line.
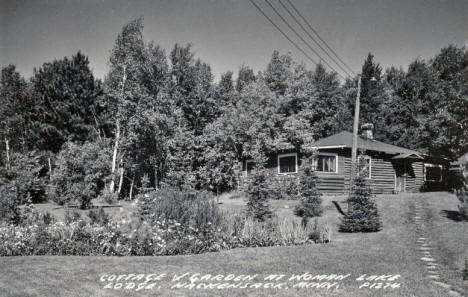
x=327 y=163
x=287 y=163
x=432 y=172
x=365 y=166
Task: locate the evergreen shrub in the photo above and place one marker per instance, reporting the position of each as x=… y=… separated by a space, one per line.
x=257 y=195
x=310 y=199
x=362 y=214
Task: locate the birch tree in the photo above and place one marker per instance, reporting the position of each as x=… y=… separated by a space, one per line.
x=124 y=88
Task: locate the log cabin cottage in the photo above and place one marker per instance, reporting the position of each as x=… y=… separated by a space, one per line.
x=389 y=168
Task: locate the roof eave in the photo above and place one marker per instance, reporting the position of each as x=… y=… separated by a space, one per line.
x=328 y=146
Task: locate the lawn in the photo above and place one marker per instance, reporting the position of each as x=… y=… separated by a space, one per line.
x=393 y=252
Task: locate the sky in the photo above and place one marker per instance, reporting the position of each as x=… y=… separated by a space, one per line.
x=228 y=33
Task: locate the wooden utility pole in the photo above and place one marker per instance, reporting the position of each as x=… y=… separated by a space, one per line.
x=355 y=132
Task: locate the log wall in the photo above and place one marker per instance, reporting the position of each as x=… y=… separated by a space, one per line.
x=382 y=173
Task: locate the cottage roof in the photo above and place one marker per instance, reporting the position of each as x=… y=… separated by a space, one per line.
x=345 y=139
x=461 y=161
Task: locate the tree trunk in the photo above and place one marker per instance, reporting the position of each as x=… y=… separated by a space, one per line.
x=7 y=144
x=117 y=135
x=50 y=169
x=121 y=178
x=97 y=125
x=114 y=158
x=155 y=177
x=131 y=187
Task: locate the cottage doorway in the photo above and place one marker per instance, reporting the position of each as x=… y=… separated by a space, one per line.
x=400 y=184
x=400 y=175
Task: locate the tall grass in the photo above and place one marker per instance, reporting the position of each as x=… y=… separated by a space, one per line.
x=240 y=230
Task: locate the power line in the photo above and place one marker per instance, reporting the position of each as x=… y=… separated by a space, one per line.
x=311 y=37
x=284 y=34
x=300 y=37
x=326 y=44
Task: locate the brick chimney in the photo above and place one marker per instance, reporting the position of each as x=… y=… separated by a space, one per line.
x=367 y=131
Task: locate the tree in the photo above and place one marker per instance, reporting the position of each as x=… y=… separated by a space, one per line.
x=402 y=113
x=328 y=113
x=192 y=107
x=181 y=159
x=125 y=87
x=310 y=202
x=81 y=172
x=27 y=174
x=155 y=75
x=362 y=214
x=244 y=78
x=373 y=97
x=257 y=195
x=66 y=95
x=278 y=72
x=219 y=160
x=447 y=124
x=15 y=112
x=225 y=96
x=428 y=105
x=201 y=108
x=191 y=88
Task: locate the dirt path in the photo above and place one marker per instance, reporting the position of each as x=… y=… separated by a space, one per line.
x=426 y=248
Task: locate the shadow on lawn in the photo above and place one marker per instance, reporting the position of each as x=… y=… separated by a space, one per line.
x=338 y=207
x=452 y=215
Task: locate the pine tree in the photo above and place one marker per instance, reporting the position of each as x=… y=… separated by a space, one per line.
x=145 y=201
x=66 y=94
x=257 y=195
x=257 y=187
x=362 y=215
x=310 y=199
